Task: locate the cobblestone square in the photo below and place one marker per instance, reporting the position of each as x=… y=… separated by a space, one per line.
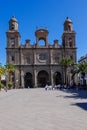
x=37 y=109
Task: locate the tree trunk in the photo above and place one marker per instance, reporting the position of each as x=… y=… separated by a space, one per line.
x=0 y=79
x=84 y=82
x=65 y=75
x=9 y=76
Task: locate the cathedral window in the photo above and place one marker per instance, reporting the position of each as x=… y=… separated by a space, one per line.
x=70 y=42
x=12 y=42
x=56 y=59
x=42 y=56
x=63 y=42
x=71 y=57
x=12 y=26
x=69 y=28
x=12 y=58
x=28 y=60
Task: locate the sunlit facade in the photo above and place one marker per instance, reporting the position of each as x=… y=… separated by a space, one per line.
x=82 y=60
x=39 y=63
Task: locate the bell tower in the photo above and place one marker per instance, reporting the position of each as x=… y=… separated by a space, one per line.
x=68 y=39
x=13 y=24
x=13 y=42
x=68 y=25
x=42 y=34
x=13 y=35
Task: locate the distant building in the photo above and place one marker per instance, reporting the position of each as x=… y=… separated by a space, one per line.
x=39 y=64
x=82 y=60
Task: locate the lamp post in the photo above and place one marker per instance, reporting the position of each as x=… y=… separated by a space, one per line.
x=16 y=83
x=6 y=78
x=68 y=76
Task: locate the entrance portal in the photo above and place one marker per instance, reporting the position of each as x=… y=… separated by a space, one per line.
x=43 y=78
x=28 y=80
x=57 y=78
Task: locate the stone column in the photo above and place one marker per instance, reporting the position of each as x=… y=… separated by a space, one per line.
x=34 y=57
x=51 y=76
x=16 y=80
x=36 y=41
x=46 y=41
x=22 y=79
x=35 y=77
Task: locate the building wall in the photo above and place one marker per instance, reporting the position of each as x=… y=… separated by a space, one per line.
x=38 y=64
x=82 y=60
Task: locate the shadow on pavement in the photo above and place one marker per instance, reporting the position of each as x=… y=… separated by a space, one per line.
x=82 y=94
x=77 y=94
x=81 y=105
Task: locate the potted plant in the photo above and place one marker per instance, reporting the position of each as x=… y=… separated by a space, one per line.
x=1 y=85
x=10 y=84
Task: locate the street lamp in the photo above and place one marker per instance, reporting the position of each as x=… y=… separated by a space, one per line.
x=6 y=78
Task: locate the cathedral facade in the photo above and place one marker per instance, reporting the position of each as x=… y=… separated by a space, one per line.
x=39 y=64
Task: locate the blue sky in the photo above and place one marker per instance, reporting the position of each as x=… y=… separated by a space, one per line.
x=44 y=13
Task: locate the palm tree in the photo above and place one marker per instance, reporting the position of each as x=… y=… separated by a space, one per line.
x=9 y=69
x=66 y=62
x=2 y=71
x=81 y=68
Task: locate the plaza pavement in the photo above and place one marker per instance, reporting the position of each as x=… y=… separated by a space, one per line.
x=37 y=109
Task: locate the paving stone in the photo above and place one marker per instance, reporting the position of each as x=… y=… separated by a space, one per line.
x=37 y=109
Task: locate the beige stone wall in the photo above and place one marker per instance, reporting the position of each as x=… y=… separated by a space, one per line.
x=33 y=59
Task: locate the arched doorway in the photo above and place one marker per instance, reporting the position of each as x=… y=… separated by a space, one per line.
x=43 y=78
x=28 y=80
x=57 y=78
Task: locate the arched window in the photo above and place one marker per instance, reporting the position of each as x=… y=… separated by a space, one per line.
x=13 y=58
x=12 y=26
x=27 y=59
x=12 y=42
x=56 y=59
x=70 y=42
x=42 y=56
x=41 y=42
x=71 y=57
x=69 y=28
